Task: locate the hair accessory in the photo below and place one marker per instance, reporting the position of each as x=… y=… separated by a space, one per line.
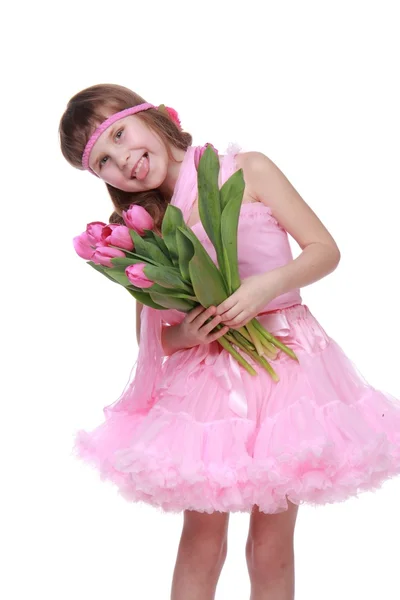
x=173 y=115
x=115 y=117
x=120 y=115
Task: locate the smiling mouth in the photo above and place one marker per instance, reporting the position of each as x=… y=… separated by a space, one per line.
x=138 y=165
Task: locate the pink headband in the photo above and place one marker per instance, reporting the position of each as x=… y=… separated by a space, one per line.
x=115 y=117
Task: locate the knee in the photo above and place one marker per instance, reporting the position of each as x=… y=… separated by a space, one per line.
x=272 y=554
x=207 y=540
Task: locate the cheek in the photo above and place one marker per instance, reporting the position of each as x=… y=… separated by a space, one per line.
x=113 y=177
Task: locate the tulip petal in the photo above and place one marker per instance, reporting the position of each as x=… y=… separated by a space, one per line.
x=137 y=276
x=82 y=246
x=138 y=219
x=94 y=231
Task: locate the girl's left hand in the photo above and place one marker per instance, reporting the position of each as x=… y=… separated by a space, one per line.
x=243 y=305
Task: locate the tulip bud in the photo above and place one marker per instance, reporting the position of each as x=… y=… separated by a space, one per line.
x=94 y=231
x=117 y=235
x=138 y=219
x=199 y=151
x=135 y=274
x=103 y=255
x=82 y=246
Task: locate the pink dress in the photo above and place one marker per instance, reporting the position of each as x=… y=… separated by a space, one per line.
x=196 y=431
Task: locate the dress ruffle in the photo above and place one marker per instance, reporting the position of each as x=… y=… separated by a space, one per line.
x=320 y=435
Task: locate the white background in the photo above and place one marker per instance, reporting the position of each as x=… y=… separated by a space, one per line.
x=313 y=85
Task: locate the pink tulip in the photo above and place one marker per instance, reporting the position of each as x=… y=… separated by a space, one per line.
x=198 y=153
x=136 y=276
x=117 y=235
x=138 y=218
x=94 y=231
x=103 y=255
x=83 y=246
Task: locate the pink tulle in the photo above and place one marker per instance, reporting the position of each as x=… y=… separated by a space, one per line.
x=322 y=434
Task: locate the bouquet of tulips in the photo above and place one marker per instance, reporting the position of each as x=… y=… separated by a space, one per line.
x=174 y=271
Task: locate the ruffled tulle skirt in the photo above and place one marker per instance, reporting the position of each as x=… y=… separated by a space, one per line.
x=217 y=438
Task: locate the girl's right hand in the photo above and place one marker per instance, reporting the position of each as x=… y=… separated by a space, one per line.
x=194 y=329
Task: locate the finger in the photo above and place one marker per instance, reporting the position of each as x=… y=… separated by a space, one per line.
x=204 y=316
x=193 y=314
x=207 y=327
x=237 y=321
x=231 y=314
x=226 y=305
x=215 y=336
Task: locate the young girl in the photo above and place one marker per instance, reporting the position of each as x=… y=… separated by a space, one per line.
x=193 y=431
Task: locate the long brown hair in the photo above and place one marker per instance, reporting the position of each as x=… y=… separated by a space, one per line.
x=87 y=109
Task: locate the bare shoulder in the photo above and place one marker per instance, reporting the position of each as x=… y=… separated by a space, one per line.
x=268 y=184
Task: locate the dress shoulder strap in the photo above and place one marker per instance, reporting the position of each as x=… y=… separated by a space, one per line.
x=228 y=163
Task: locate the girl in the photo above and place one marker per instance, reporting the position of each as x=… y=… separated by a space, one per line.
x=192 y=431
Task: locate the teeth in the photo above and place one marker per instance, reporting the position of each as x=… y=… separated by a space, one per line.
x=139 y=165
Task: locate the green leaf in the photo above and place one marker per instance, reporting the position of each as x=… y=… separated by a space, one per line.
x=167 y=277
x=149 y=250
x=172 y=219
x=158 y=241
x=185 y=252
x=101 y=269
x=229 y=231
x=207 y=281
x=159 y=289
x=171 y=302
x=145 y=299
x=125 y=262
x=118 y=274
x=209 y=198
x=232 y=187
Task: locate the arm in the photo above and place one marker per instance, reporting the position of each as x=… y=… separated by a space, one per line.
x=171 y=339
x=320 y=255
x=139 y=307
x=169 y=334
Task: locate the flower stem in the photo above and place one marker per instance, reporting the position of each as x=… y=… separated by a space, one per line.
x=273 y=340
x=254 y=334
x=260 y=359
x=228 y=346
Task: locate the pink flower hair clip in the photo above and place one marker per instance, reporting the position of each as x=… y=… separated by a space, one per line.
x=173 y=115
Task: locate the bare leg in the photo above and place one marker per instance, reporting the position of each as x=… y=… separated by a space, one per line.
x=201 y=555
x=270 y=554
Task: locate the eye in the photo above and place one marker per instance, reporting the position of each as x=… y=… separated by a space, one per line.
x=103 y=161
x=118 y=134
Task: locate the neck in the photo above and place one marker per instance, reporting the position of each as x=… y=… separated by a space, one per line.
x=174 y=167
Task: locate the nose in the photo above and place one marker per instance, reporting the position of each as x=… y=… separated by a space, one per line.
x=122 y=158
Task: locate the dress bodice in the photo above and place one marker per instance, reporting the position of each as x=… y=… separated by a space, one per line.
x=263 y=244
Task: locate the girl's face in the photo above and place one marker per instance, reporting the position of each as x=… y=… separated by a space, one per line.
x=130 y=156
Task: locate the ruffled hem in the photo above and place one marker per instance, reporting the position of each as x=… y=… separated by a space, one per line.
x=175 y=463
x=213 y=441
